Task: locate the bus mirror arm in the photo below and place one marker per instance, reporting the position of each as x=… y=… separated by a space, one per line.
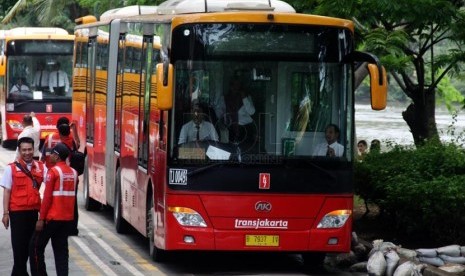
x=165 y=72
x=357 y=56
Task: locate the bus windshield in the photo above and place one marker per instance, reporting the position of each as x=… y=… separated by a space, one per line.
x=34 y=79
x=255 y=93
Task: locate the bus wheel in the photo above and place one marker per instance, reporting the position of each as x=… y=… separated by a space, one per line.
x=158 y=255
x=89 y=203
x=313 y=261
x=121 y=225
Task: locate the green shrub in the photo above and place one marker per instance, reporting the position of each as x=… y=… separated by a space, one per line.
x=421 y=191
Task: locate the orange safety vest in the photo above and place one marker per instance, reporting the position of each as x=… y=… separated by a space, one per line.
x=23 y=195
x=64 y=193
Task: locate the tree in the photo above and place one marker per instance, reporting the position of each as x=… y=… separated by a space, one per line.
x=45 y=13
x=404 y=35
x=61 y=13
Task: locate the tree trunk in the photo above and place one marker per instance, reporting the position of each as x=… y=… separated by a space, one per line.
x=421 y=118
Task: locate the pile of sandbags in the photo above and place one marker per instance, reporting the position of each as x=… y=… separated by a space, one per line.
x=449 y=258
x=384 y=260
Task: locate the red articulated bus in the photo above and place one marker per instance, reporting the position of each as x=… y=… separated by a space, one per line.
x=250 y=182
x=25 y=52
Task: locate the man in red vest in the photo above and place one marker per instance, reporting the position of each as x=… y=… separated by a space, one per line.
x=56 y=214
x=65 y=136
x=20 y=178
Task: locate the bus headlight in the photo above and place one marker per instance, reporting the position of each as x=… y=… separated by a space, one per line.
x=335 y=219
x=15 y=125
x=187 y=217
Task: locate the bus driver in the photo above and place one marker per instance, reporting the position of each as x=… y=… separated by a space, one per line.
x=197 y=129
x=19 y=86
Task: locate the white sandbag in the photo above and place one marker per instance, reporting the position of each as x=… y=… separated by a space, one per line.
x=380 y=245
x=436 y=261
x=418 y=269
x=453 y=268
x=453 y=260
x=376 y=245
x=427 y=252
x=387 y=246
x=406 y=253
x=376 y=265
x=462 y=250
x=392 y=260
x=405 y=269
x=450 y=250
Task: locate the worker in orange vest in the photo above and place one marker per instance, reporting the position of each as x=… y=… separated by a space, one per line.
x=65 y=136
x=23 y=177
x=56 y=214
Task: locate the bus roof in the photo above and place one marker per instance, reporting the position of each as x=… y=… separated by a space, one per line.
x=35 y=31
x=202 y=6
x=127 y=11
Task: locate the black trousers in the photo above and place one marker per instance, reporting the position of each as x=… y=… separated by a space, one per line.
x=22 y=225
x=57 y=231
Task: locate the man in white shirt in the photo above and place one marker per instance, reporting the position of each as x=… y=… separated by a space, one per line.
x=58 y=81
x=41 y=78
x=19 y=87
x=239 y=111
x=21 y=182
x=197 y=129
x=331 y=148
x=31 y=128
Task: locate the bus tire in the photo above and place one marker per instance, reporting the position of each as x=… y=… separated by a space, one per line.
x=313 y=261
x=157 y=254
x=89 y=203
x=121 y=225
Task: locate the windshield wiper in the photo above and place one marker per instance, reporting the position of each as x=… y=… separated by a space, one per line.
x=23 y=102
x=203 y=169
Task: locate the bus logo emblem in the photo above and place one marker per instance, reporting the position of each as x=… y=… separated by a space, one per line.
x=48 y=108
x=178 y=177
x=262 y=206
x=264 y=181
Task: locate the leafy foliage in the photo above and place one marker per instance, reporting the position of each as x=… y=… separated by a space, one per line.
x=407 y=42
x=421 y=191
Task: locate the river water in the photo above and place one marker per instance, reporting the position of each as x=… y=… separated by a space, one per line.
x=389 y=127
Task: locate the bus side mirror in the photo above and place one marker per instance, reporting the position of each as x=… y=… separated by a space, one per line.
x=164 y=86
x=2 y=65
x=378 y=87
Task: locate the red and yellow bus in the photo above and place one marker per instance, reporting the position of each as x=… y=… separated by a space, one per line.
x=144 y=73
x=22 y=50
